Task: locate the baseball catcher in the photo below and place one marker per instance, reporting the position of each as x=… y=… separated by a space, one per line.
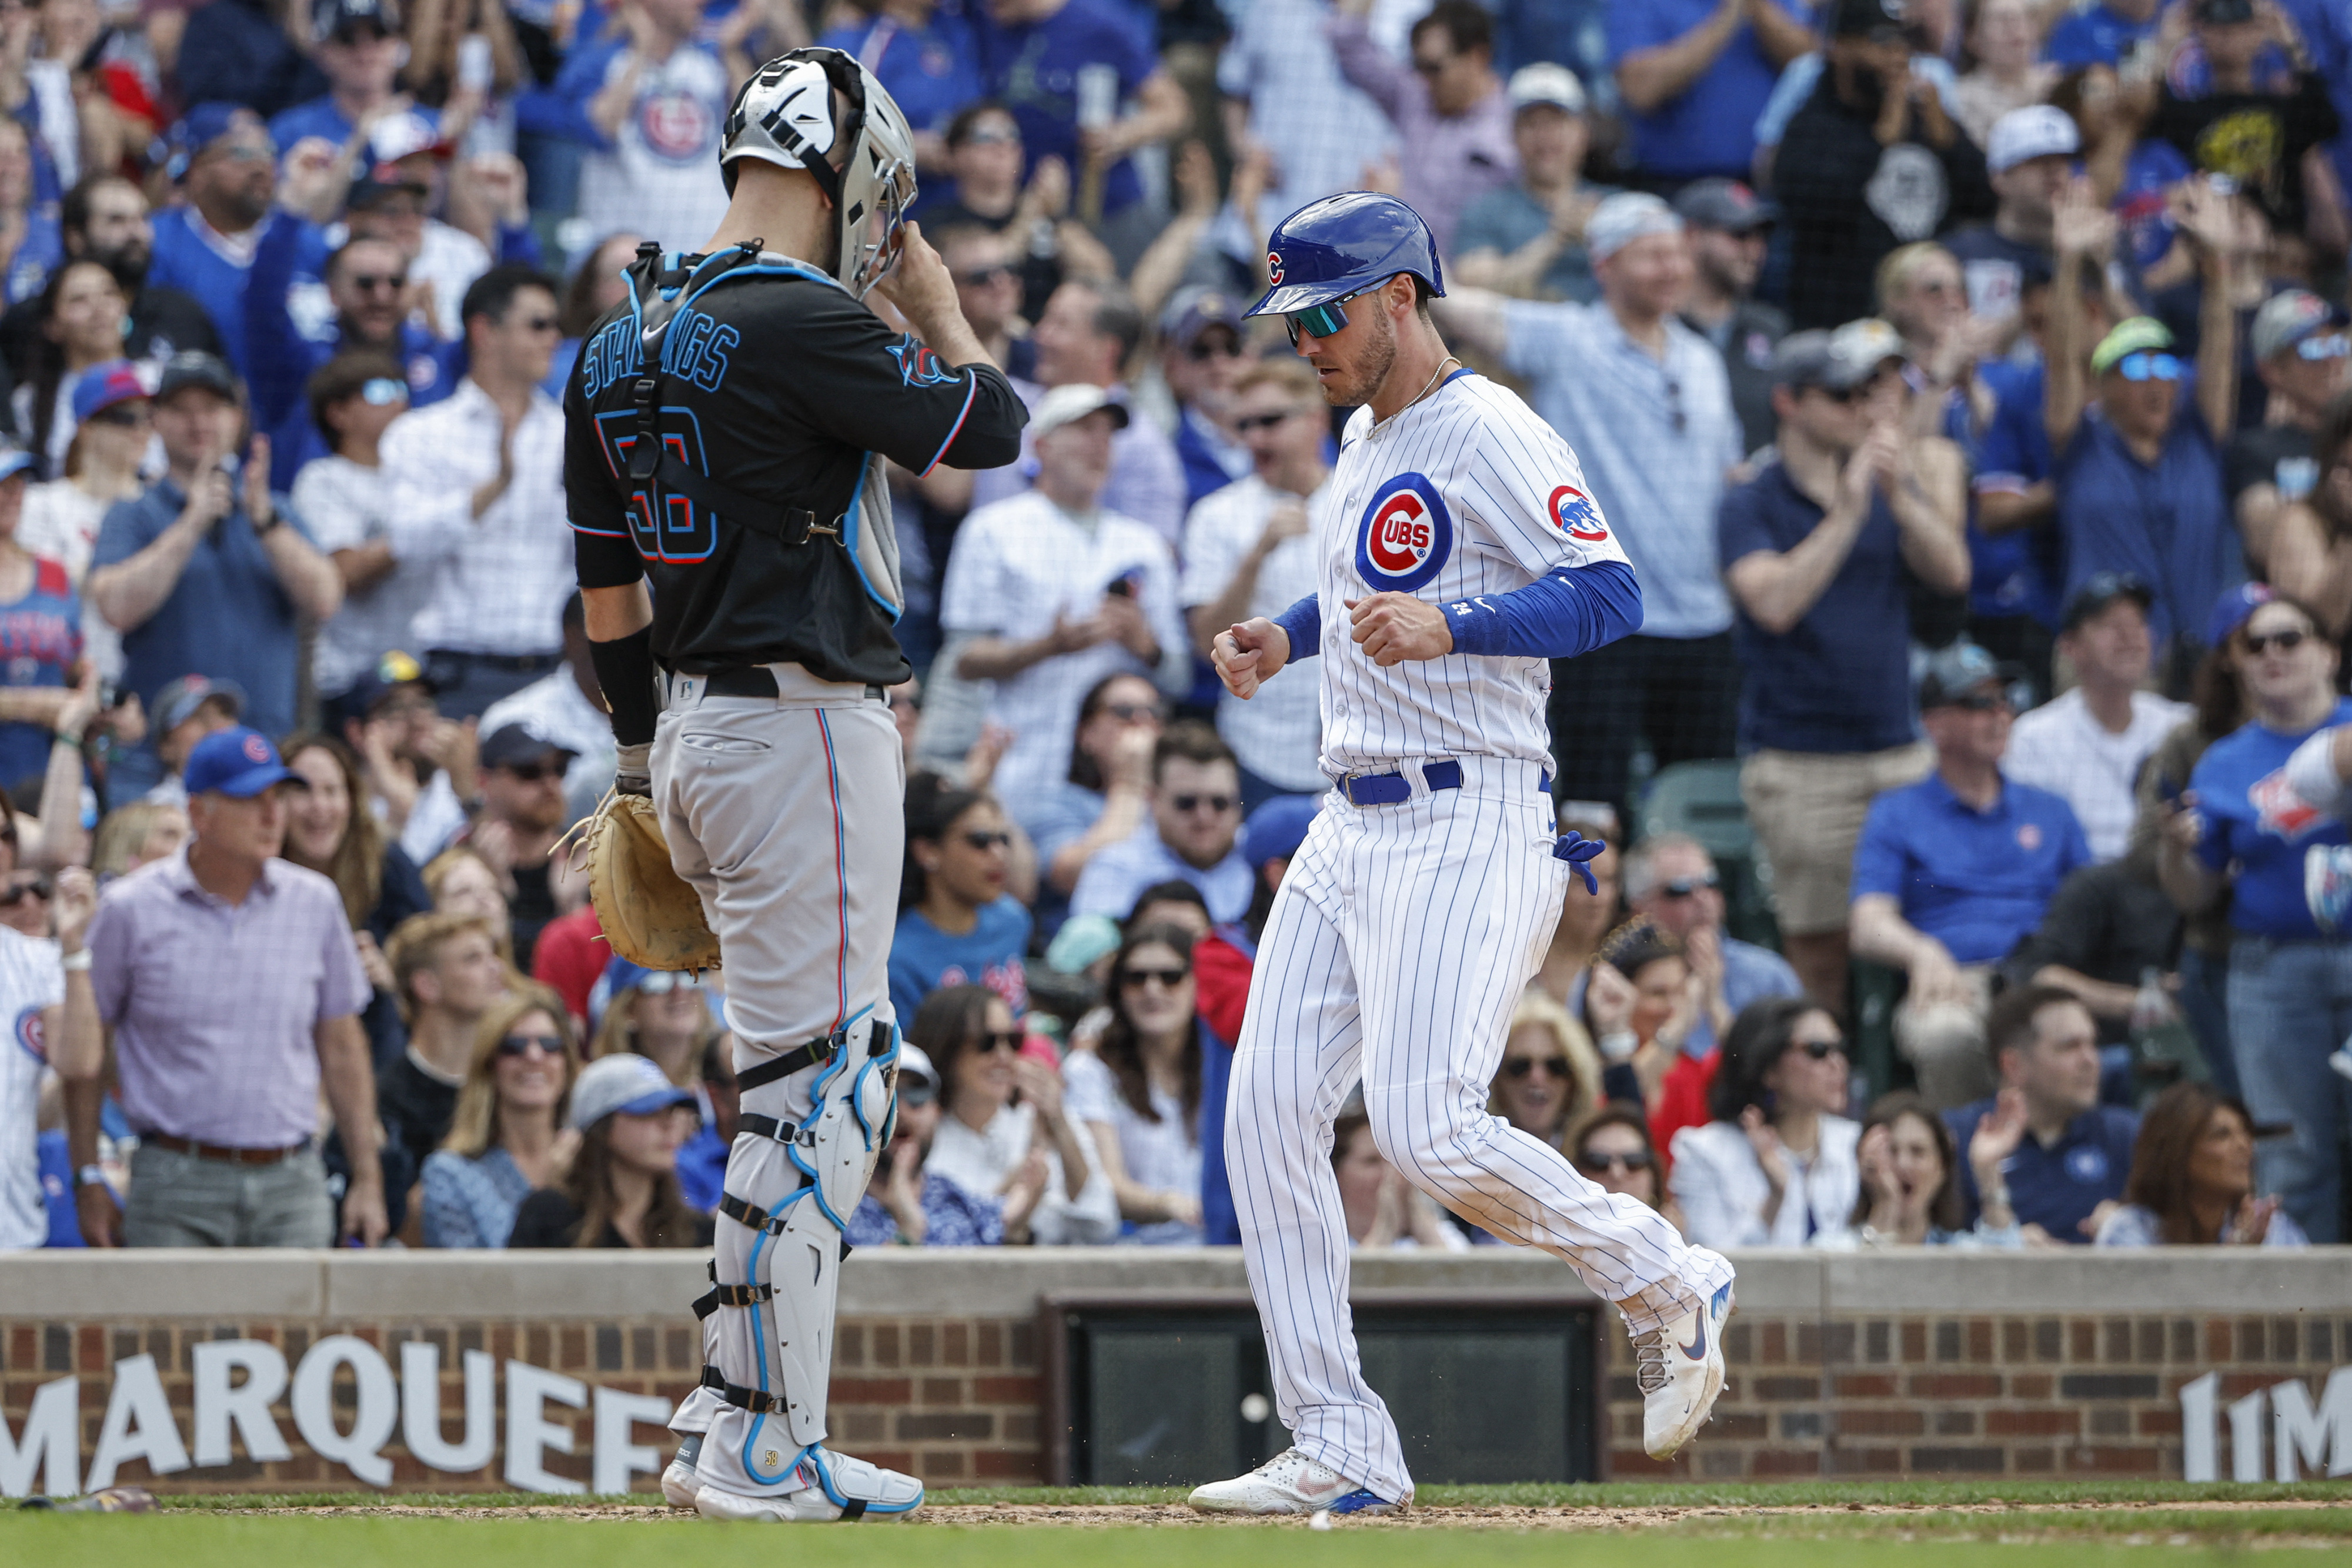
x=727 y=426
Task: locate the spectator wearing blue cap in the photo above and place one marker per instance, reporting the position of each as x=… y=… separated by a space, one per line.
x=1222 y=962
x=205 y=574
x=358 y=47
x=622 y=1187
x=2243 y=830
x=1953 y=871
x=958 y=922
x=226 y=166
x=233 y=989
x=40 y=636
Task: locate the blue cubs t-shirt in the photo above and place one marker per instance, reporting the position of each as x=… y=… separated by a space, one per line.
x=2254 y=821
x=1975 y=881
x=40 y=637
x=931 y=72
x=2058 y=1186
x=923 y=957
x=1839 y=680
x=1031 y=68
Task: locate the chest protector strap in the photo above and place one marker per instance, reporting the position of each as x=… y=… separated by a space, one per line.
x=650 y=457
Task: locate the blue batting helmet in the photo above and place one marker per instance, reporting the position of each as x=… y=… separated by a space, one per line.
x=1343 y=245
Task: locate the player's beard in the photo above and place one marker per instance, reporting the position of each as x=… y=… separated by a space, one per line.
x=1349 y=390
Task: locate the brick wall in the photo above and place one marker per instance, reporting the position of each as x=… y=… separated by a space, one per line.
x=1837 y=1367
x=2042 y=1396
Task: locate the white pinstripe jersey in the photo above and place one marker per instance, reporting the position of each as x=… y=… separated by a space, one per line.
x=1463 y=493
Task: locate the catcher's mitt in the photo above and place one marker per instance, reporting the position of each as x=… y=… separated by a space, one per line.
x=650 y=915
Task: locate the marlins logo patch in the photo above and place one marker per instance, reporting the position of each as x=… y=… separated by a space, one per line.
x=1405 y=535
x=1578 y=518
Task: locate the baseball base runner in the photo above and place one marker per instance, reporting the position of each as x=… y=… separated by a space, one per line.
x=726 y=432
x=1458 y=551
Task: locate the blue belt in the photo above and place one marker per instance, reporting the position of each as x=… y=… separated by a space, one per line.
x=1395 y=789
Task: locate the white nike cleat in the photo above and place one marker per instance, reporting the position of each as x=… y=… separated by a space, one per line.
x=680 y=1481
x=834 y=1487
x=1678 y=1366
x=1290 y=1483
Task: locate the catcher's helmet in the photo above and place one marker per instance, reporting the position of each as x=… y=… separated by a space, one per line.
x=859 y=148
x=1343 y=245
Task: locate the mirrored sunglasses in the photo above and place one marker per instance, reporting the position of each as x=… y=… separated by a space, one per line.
x=2329 y=346
x=2150 y=366
x=1323 y=321
x=381 y=392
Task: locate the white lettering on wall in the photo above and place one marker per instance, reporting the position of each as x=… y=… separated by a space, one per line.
x=377 y=1412
x=139 y=1425
x=219 y=1405
x=420 y=1409
x=530 y=1436
x=616 y=1458
x=2300 y=1433
x=52 y=1443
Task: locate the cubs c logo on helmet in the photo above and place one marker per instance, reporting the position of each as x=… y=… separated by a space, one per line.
x=1578 y=518
x=1274 y=267
x=1405 y=537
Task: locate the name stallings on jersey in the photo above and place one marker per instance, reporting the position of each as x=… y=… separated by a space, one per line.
x=695 y=350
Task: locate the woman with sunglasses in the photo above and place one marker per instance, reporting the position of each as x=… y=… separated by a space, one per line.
x=1105 y=796
x=1776 y=1167
x=1550 y=1075
x=1612 y=1148
x=345 y=497
x=508 y=1136
x=956 y=920
x=2290 y=992
x=1002 y=1107
x=657 y=1014
x=1139 y=1095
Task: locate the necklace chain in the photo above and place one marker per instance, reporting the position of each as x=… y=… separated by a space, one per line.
x=1427 y=387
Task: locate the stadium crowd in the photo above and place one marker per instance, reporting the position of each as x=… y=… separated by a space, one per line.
x=1968 y=379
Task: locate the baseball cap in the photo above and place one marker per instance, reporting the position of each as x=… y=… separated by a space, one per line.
x=512 y=745
x=14 y=459
x=237 y=762
x=1724 y=205
x=2037 y=130
x=2234 y=609
x=1193 y=312
x=1954 y=671
x=202 y=125
x=2101 y=589
x=380 y=680
x=102 y=386
x=1545 y=83
x=335 y=18
x=194 y=368
x=177 y=703
x=1625 y=217
x=1068 y=405
x=919 y=1081
x=1082 y=939
x=2130 y=337
x=2287 y=318
x=1880 y=21
x=1276 y=828
x=623 y=1082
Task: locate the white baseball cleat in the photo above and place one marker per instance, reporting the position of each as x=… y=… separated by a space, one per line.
x=1678 y=1366
x=1290 y=1483
x=834 y=1487
x=680 y=1481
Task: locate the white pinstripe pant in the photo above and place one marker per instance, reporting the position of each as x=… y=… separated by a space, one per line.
x=1398 y=945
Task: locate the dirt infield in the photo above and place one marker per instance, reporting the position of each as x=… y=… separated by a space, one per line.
x=2029 y=1516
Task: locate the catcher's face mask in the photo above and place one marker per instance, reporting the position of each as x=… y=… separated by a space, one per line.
x=821 y=111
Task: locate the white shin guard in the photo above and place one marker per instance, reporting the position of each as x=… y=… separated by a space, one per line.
x=794 y=1176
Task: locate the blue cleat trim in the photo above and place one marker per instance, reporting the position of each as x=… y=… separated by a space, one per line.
x=1360 y=1500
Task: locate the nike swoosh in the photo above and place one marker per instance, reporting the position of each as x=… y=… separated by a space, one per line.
x=1697 y=1349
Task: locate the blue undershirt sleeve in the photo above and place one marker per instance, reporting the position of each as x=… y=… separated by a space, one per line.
x=1304 y=623
x=1571 y=611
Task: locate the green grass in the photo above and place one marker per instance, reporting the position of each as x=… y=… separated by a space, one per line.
x=249 y=1540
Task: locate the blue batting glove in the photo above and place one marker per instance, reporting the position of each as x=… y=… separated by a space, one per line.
x=1578 y=851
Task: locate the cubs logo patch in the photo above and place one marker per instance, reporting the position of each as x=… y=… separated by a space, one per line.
x=2087 y=1164
x=29 y=1037
x=255 y=749
x=1405 y=535
x=2029 y=836
x=1274 y=267
x=2279 y=810
x=1578 y=518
